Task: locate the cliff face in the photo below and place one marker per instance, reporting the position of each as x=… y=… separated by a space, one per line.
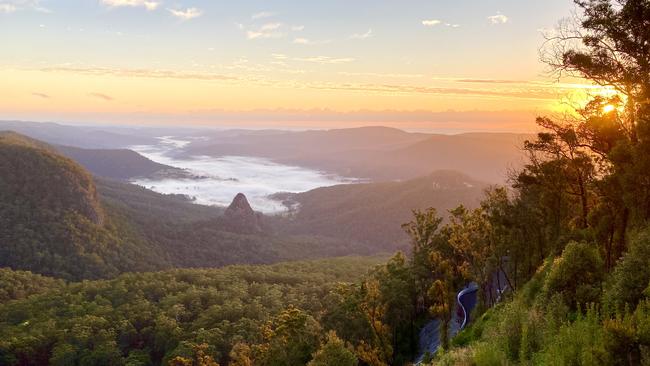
x=239 y=217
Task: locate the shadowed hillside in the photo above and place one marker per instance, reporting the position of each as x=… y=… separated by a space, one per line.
x=373 y=213
x=120 y=164
x=52 y=221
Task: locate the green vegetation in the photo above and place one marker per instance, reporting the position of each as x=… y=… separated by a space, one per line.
x=52 y=222
x=117 y=164
x=153 y=318
x=571 y=238
x=575 y=230
x=16 y=285
x=372 y=213
x=55 y=221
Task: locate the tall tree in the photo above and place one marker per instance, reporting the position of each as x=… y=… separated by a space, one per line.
x=610 y=46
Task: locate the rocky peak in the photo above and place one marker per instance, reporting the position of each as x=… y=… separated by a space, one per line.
x=239 y=206
x=239 y=216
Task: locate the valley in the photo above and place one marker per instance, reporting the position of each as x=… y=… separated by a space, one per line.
x=325 y=183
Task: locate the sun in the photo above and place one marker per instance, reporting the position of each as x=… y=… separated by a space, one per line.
x=608 y=108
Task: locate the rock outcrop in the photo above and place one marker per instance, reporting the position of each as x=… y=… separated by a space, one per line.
x=240 y=217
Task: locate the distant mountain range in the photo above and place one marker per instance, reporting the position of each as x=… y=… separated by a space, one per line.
x=80 y=136
x=377 y=153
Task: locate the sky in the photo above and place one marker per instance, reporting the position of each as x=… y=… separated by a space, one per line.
x=460 y=65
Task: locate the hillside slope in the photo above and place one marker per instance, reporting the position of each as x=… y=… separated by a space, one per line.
x=373 y=213
x=120 y=164
x=51 y=219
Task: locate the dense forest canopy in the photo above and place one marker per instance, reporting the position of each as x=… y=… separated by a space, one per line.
x=153 y=318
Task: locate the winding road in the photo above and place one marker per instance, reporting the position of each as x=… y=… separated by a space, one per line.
x=466 y=300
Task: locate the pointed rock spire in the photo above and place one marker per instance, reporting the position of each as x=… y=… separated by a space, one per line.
x=239 y=216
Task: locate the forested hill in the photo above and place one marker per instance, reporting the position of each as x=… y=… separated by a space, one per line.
x=52 y=221
x=374 y=212
x=122 y=164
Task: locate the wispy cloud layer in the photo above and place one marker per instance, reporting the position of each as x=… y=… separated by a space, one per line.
x=10 y=6
x=269 y=30
x=186 y=14
x=365 y=35
x=434 y=22
x=431 y=22
x=262 y=15
x=314 y=59
x=498 y=19
x=101 y=96
x=7 y=8
x=309 y=42
x=140 y=73
x=147 y=4
x=41 y=95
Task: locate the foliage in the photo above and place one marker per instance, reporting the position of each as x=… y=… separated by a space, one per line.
x=371 y=213
x=52 y=222
x=154 y=318
x=333 y=353
x=576 y=275
x=17 y=285
x=631 y=276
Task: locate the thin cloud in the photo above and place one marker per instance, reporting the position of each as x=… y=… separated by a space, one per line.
x=382 y=75
x=7 y=8
x=435 y=22
x=431 y=22
x=498 y=19
x=297 y=28
x=41 y=95
x=365 y=35
x=10 y=6
x=140 y=73
x=521 y=93
x=324 y=60
x=263 y=14
x=302 y=41
x=308 y=42
x=147 y=4
x=313 y=59
x=269 y=30
x=491 y=81
x=101 y=96
x=187 y=14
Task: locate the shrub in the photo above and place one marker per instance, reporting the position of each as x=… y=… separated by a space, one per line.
x=576 y=275
x=333 y=353
x=577 y=343
x=630 y=276
x=486 y=354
